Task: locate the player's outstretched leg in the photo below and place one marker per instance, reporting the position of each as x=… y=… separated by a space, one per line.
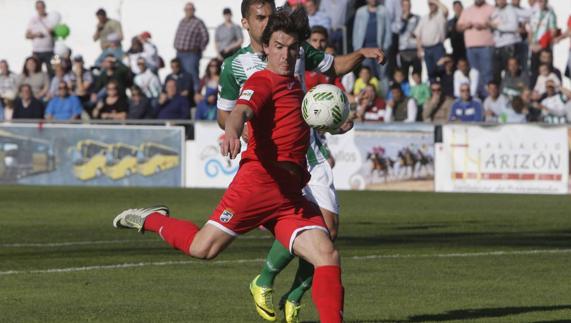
x=205 y=243
x=261 y=287
x=327 y=290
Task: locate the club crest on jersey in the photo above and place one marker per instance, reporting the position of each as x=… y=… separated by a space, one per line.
x=226 y=216
x=246 y=94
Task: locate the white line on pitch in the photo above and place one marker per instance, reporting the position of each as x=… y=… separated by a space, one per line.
x=241 y=261
x=96 y=242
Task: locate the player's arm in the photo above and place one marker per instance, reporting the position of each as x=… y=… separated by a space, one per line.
x=228 y=92
x=346 y=63
x=231 y=145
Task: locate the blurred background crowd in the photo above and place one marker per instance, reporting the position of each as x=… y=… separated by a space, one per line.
x=498 y=68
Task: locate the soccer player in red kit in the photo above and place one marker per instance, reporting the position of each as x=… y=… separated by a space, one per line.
x=267 y=190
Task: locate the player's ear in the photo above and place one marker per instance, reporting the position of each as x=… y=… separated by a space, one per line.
x=266 y=49
x=245 y=23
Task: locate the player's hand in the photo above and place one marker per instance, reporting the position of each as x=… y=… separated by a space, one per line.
x=374 y=53
x=230 y=146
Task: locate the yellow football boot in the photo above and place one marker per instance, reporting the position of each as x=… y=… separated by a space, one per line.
x=263 y=300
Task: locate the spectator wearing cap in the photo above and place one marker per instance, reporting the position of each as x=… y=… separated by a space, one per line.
x=479 y=40
x=33 y=75
x=112 y=69
x=316 y=17
x=64 y=106
x=400 y=108
x=172 y=105
x=190 y=41
x=183 y=80
x=59 y=76
x=437 y=108
x=228 y=37
x=80 y=79
x=137 y=51
x=336 y=10
x=554 y=104
x=8 y=79
x=430 y=34
x=106 y=27
x=505 y=25
x=456 y=36
x=39 y=31
x=147 y=81
x=466 y=108
x=113 y=48
x=26 y=106
x=372 y=28
x=151 y=52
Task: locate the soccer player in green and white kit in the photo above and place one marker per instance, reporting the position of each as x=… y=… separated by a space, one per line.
x=235 y=71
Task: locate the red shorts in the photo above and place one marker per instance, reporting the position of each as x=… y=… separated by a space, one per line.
x=270 y=197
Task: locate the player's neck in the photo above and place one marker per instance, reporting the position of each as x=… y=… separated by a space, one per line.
x=256 y=47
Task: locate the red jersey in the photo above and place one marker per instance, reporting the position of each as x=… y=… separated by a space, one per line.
x=313 y=78
x=277 y=132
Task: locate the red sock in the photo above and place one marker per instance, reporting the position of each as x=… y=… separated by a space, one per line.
x=327 y=294
x=177 y=233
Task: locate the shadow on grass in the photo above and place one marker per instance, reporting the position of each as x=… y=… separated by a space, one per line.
x=473 y=314
x=554 y=239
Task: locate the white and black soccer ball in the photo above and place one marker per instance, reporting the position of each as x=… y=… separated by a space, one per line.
x=325 y=107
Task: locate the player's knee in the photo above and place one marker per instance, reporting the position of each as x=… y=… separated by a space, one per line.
x=204 y=252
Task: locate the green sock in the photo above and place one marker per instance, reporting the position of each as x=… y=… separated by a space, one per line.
x=302 y=281
x=278 y=258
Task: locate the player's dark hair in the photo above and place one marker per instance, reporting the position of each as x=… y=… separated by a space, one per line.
x=293 y=23
x=246 y=4
x=320 y=30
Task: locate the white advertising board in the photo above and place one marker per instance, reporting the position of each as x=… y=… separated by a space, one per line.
x=205 y=166
x=502 y=159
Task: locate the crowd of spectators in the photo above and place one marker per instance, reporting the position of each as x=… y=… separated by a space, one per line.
x=498 y=67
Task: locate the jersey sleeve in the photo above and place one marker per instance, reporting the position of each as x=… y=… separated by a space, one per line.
x=316 y=60
x=228 y=88
x=256 y=92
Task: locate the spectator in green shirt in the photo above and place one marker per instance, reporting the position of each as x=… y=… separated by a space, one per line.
x=419 y=91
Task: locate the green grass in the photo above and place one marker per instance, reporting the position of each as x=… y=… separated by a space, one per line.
x=414 y=276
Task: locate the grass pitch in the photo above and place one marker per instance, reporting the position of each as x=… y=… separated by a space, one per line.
x=407 y=257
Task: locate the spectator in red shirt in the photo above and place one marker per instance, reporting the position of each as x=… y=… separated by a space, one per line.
x=318 y=40
x=190 y=41
x=370 y=107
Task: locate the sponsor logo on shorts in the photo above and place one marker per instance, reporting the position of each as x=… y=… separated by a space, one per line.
x=226 y=216
x=246 y=95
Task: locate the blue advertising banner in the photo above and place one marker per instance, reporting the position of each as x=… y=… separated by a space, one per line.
x=49 y=154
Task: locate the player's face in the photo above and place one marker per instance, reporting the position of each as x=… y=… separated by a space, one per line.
x=318 y=41
x=257 y=20
x=282 y=52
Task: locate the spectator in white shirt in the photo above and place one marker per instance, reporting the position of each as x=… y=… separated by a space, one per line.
x=465 y=75
x=430 y=35
x=504 y=24
x=545 y=75
x=8 y=80
x=147 y=81
x=316 y=18
x=495 y=104
x=554 y=105
x=39 y=31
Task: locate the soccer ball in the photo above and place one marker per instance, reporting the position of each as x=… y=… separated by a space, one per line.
x=325 y=107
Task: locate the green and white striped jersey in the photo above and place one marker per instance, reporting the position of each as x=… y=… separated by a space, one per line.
x=237 y=68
